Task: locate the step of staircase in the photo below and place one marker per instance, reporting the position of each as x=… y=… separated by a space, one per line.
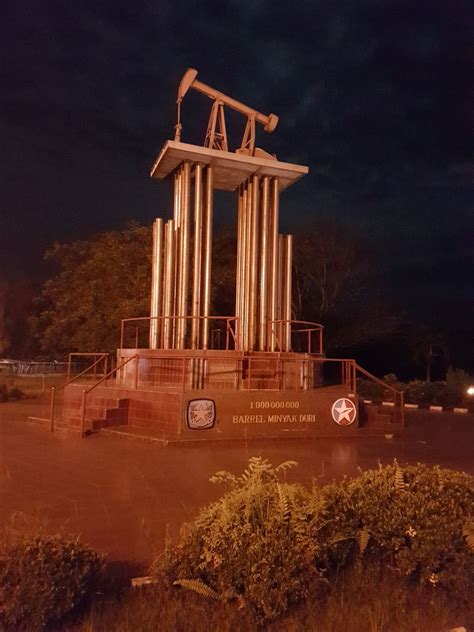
x=381 y=419
x=116 y=416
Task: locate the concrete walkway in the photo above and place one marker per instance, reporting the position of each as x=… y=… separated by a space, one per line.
x=121 y=495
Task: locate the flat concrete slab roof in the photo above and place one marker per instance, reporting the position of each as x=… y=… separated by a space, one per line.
x=230 y=169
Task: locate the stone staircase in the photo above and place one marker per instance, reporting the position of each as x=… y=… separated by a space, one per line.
x=116 y=416
x=100 y=413
x=380 y=419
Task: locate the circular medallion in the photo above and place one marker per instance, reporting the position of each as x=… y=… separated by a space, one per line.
x=343 y=411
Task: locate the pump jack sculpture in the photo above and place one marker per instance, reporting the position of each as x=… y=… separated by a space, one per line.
x=216 y=135
x=253 y=373
x=263 y=283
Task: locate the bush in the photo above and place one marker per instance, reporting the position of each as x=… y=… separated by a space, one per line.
x=445 y=395
x=3 y=393
x=449 y=393
x=15 y=394
x=7 y=394
x=409 y=520
x=43 y=579
x=257 y=544
x=419 y=392
x=270 y=545
x=375 y=391
x=370 y=390
x=458 y=380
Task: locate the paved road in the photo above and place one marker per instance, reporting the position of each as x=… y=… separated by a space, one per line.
x=121 y=495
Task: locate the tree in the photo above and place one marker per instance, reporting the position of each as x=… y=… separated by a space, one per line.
x=224 y=261
x=99 y=282
x=334 y=285
x=16 y=306
x=107 y=278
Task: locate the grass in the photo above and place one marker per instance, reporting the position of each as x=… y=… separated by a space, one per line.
x=359 y=601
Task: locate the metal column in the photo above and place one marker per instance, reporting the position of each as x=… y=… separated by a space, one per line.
x=288 y=287
x=264 y=265
x=197 y=259
x=169 y=285
x=273 y=263
x=183 y=260
x=207 y=263
x=253 y=264
x=156 y=284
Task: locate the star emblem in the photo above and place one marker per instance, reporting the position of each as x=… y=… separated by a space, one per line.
x=343 y=411
x=201 y=413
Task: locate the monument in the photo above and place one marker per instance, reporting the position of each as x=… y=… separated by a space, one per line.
x=182 y=373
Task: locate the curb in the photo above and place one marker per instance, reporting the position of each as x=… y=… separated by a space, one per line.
x=431 y=409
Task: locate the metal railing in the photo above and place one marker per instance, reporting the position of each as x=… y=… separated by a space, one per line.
x=232 y=372
x=100 y=357
x=86 y=392
x=138 y=331
x=289 y=335
x=398 y=396
x=300 y=336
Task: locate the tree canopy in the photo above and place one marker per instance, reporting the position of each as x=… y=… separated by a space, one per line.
x=106 y=278
x=335 y=284
x=99 y=282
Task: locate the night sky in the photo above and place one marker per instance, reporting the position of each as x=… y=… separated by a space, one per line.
x=375 y=96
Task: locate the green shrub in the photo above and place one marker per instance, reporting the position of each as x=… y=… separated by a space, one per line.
x=449 y=393
x=445 y=395
x=15 y=394
x=375 y=391
x=3 y=393
x=271 y=545
x=458 y=380
x=409 y=519
x=370 y=390
x=257 y=543
x=419 y=392
x=43 y=579
x=7 y=394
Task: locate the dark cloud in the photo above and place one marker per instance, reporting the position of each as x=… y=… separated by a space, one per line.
x=374 y=95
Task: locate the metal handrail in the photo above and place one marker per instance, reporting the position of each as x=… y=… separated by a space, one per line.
x=313 y=327
x=86 y=392
x=388 y=387
x=70 y=380
x=349 y=371
x=100 y=354
x=168 y=319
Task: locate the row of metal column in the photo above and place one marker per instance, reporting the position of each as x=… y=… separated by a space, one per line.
x=171 y=264
x=264 y=269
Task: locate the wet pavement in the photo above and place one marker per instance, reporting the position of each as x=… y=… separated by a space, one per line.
x=121 y=495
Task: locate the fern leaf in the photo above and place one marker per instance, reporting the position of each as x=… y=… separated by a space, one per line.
x=284 y=503
x=363 y=537
x=286 y=465
x=468 y=533
x=399 y=478
x=223 y=477
x=340 y=537
x=198 y=586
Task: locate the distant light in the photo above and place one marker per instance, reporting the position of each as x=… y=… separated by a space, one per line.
x=470 y=390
